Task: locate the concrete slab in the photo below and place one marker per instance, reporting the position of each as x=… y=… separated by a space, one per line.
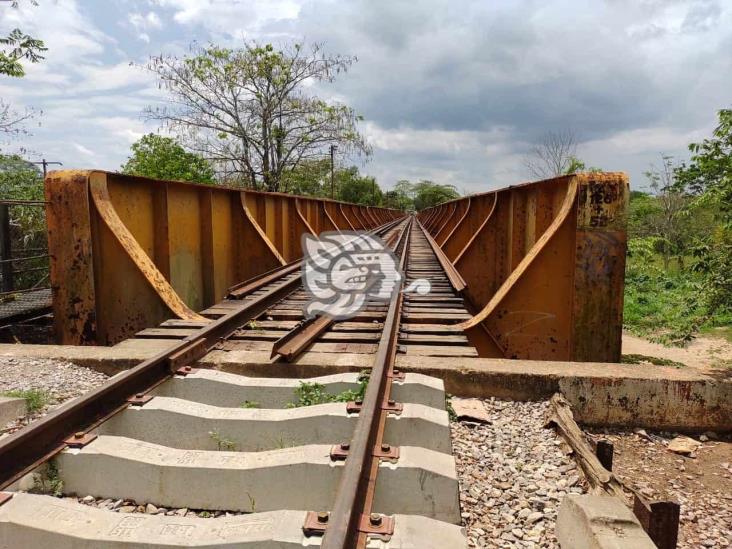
x=190 y=425
x=39 y=522
x=11 y=408
x=422 y=482
x=599 y=522
x=231 y=390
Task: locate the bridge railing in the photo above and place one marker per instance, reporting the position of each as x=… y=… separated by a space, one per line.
x=544 y=264
x=129 y=252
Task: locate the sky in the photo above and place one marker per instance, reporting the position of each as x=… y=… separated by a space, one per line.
x=452 y=91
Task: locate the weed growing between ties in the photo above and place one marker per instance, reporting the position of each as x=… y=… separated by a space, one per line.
x=310 y=394
x=223 y=444
x=249 y=404
x=49 y=482
x=35 y=399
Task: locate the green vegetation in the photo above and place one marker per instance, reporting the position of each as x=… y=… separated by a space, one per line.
x=20 y=180
x=20 y=47
x=418 y=196
x=641 y=359
x=35 y=399
x=163 y=158
x=50 y=482
x=679 y=268
x=15 y=49
x=249 y=404
x=312 y=178
x=222 y=443
x=277 y=122
x=310 y=394
x=448 y=406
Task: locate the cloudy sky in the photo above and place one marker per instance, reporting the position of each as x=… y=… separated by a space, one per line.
x=454 y=91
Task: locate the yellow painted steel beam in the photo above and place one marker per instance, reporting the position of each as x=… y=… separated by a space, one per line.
x=129 y=252
x=544 y=264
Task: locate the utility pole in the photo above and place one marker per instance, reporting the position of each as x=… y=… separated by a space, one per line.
x=332 y=171
x=45 y=163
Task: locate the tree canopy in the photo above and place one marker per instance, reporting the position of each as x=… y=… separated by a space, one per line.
x=249 y=111
x=420 y=195
x=15 y=48
x=162 y=157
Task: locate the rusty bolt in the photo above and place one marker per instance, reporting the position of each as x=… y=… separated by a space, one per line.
x=80 y=434
x=345 y=445
x=322 y=517
x=359 y=402
x=385 y=447
x=392 y=402
x=375 y=519
x=140 y=395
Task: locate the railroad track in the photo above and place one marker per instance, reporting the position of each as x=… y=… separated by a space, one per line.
x=371 y=468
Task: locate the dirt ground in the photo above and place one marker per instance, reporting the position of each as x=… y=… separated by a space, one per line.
x=703 y=352
x=701 y=483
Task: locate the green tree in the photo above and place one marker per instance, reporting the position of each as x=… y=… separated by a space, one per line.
x=428 y=193
x=358 y=189
x=708 y=176
x=21 y=47
x=14 y=48
x=163 y=158
x=21 y=180
x=308 y=178
x=250 y=110
x=576 y=165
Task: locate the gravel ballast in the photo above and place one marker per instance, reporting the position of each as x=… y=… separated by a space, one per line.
x=513 y=474
x=57 y=380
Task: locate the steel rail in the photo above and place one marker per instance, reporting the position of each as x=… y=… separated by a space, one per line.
x=24 y=450
x=354 y=498
x=29 y=447
x=239 y=291
x=294 y=342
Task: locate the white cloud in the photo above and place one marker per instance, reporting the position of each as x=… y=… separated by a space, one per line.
x=233 y=18
x=146 y=21
x=83 y=150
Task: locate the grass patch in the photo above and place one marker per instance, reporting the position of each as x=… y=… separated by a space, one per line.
x=249 y=404
x=310 y=394
x=667 y=307
x=50 y=482
x=642 y=359
x=448 y=406
x=35 y=399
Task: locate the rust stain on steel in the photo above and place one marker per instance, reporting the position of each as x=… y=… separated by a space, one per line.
x=457 y=224
x=544 y=264
x=103 y=204
x=142 y=250
x=493 y=305
x=258 y=232
x=71 y=262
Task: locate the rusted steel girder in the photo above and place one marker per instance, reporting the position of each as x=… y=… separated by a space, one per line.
x=544 y=265
x=129 y=252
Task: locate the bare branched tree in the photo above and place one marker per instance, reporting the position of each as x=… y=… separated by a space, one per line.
x=553 y=156
x=249 y=112
x=12 y=122
x=671 y=223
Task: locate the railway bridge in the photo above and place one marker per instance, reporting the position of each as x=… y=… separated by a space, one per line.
x=334 y=436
